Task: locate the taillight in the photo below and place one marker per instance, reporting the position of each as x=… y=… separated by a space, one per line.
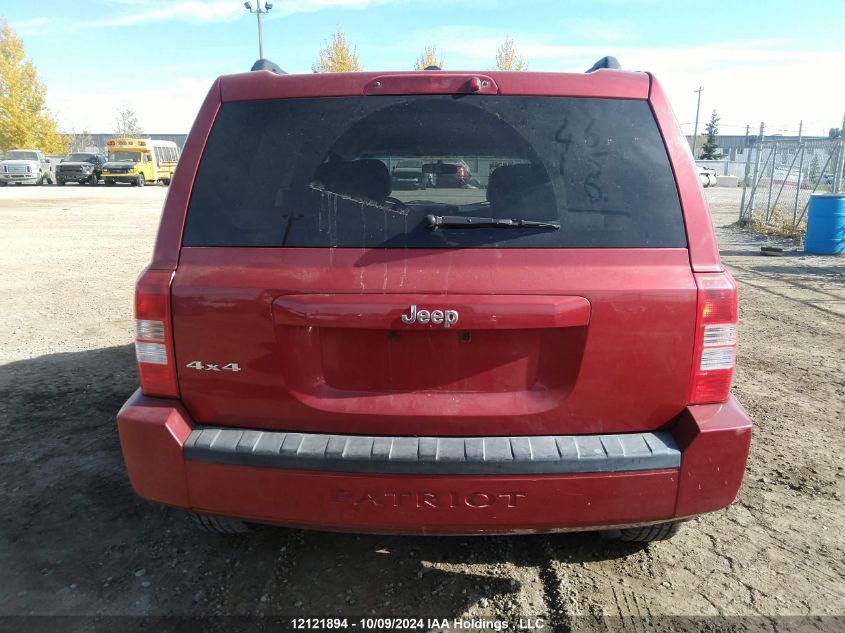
x=154 y=334
x=715 y=338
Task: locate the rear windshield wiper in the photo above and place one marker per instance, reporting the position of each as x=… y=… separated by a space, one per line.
x=434 y=222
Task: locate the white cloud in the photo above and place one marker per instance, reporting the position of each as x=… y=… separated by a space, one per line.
x=283 y=9
x=192 y=11
x=32 y=26
x=609 y=30
x=746 y=81
x=135 y=12
x=206 y=11
x=168 y=109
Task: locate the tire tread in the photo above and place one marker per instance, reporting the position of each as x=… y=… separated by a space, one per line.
x=649 y=533
x=217 y=524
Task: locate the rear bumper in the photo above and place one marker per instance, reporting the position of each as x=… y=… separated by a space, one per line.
x=696 y=467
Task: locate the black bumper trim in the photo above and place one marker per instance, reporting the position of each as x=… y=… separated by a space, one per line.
x=536 y=454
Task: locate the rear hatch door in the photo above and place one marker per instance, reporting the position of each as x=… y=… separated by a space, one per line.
x=311 y=296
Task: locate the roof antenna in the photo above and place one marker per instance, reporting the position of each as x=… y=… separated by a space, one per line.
x=266 y=64
x=606 y=62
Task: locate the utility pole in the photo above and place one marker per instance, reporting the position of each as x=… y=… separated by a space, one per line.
x=800 y=170
x=747 y=149
x=839 y=166
x=758 y=155
x=695 y=130
x=258 y=11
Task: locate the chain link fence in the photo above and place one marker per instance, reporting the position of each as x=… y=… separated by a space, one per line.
x=781 y=175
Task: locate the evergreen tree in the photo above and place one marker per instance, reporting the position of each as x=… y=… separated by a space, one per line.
x=815 y=168
x=710 y=149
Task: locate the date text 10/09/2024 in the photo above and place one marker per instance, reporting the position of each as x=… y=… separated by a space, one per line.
x=412 y=624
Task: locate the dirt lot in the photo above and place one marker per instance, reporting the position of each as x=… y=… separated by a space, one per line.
x=74 y=539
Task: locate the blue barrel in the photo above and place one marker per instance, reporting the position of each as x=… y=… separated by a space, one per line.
x=826 y=224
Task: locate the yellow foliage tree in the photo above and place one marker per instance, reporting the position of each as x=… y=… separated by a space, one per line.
x=25 y=122
x=507 y=57
x=430 y=57
x=338 y=56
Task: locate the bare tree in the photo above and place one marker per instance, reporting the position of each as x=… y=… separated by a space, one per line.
x=508 y=58
x=80 y=142
x=430 y=57
x=337 y=56
x=127 y=124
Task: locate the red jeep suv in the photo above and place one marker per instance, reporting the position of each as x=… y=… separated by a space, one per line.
x=548 y=350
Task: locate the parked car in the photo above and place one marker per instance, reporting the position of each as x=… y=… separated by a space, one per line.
x=707 y=177
x=82 y=167
x=452 y=174
x=408 y=174
x=552 y=352
x=26 y=166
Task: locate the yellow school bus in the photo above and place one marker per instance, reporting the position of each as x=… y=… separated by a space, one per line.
x=139 y=161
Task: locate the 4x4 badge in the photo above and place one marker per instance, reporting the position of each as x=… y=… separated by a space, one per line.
x=198 y=364
x=446 y=318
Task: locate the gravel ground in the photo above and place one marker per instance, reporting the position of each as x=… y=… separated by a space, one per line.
x=75 y=540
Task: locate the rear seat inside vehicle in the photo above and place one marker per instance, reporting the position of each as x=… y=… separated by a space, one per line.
x=362 y=178
x=518 y=191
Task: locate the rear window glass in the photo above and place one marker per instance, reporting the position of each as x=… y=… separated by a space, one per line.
x=366 y=171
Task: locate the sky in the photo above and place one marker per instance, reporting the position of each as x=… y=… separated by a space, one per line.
x=775 y=61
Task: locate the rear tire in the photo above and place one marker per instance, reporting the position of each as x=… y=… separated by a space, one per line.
x=217 y=524
x=644 y=534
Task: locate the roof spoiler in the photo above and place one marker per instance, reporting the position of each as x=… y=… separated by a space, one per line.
x=266 y=64
x=606 y=62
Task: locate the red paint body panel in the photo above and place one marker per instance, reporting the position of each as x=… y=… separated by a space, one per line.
x=478 y=312
x=152 y=432
x=612 y=84
x=701 y=240
x=631 y=364
x=715 y=439
x=169 y=240
x=432 y=505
